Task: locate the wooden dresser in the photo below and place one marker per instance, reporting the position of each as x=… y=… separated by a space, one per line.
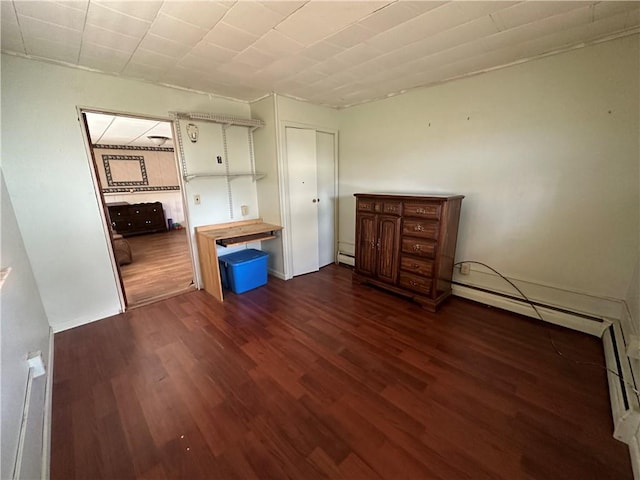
x=407 y=244
x=134 y=219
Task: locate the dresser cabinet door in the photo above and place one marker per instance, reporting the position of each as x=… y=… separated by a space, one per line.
x=389 y=234
x=367 y=229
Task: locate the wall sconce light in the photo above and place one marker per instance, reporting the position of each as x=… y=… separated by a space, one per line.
x=192 y=132
x=158 y=140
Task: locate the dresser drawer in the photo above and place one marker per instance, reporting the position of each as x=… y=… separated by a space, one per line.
x=137 y=211
x=144 y=223
x=419 y=266
x=120 y=211
x=422 y=210
x=422 y=248
x=420 y=228
x=122 y=226
x=391 y=207
x=367 y=205
x=414 y=282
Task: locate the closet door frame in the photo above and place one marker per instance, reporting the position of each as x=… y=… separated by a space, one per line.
x=283 y=181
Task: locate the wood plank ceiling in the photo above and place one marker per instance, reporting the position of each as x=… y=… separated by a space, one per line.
x=336 y=53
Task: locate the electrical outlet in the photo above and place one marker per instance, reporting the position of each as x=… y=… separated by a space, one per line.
x=465 y=269
x=196 y=199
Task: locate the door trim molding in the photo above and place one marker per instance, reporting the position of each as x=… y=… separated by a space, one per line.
x=102 y=203
x=100 y=199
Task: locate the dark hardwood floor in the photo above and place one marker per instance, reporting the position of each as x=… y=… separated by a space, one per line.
x=320 y=378
x=161 y=267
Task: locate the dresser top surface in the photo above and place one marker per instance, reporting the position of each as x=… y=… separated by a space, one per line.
x=411 y=196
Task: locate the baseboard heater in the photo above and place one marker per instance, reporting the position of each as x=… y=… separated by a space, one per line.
x=28 y=460
x=529 y=302
x=624 y=401
x=347 y=259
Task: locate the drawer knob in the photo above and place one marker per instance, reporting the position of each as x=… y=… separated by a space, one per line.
x=421 y=210
x=415 y=266
x=412 y=283
x=418 y=228
x=417 y=247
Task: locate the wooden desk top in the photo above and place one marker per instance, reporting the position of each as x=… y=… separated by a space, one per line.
x=235 y=233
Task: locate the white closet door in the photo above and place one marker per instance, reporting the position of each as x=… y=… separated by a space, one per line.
x=303 y=199
x=327 y=195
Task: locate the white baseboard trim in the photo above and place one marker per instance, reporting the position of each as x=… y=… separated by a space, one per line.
x=575 y=322
x=77 y=322
x=277 y=274
x=48 y=406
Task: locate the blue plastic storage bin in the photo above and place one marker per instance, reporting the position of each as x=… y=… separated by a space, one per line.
x=243 y=270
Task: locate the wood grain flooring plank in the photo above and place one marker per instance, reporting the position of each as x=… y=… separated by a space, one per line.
x=62 y=453
x=142 y=450
x=323 y=463
x=116 y=457
x=161 y=267
x=354 y=467
x=318 y=377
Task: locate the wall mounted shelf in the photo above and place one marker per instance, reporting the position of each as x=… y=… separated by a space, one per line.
x=230 y=176
x=223 y=119
x=226 y=122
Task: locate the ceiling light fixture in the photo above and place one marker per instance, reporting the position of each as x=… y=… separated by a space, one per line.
x=158 y=140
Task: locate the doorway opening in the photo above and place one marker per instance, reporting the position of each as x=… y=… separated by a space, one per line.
x=137 y=180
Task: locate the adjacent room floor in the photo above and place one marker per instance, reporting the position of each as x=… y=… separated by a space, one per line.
x=320 y=378
x=161 y=267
